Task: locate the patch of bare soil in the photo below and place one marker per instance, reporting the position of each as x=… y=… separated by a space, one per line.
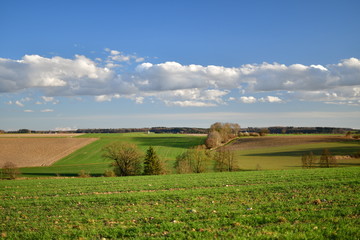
x=278 y=141
x=36 y=135
x=32 y=152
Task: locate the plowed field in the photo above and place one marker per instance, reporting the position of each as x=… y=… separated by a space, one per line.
x=31 y=152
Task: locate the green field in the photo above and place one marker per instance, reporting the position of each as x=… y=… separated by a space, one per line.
x=289 y=157
x=168 y=146
x=89 y=158
x=291 y=204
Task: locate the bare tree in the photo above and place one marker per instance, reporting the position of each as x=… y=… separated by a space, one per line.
x=327 y=160
x=224 y=161
x=221 y=133
x=213 y=139
x=308 y=160
x=194 y=160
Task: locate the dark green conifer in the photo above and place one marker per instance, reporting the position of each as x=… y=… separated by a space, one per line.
x=152 y=163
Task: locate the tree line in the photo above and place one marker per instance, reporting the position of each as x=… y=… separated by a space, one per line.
x=326 y=160
x=127 y=160
x=190 y=130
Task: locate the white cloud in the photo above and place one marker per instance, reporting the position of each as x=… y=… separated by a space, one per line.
x=28 y=110
x=177 y=84
x=47 y=99
x=26 y=99
x=63 y=129
x=106 y=98
x=18 y=103
x=53 y=75
x=189 y=104
x=140 y=59
x=139 y=100
x=47 y=110
x=267 y=99
x=270 y=99
x=250 y=99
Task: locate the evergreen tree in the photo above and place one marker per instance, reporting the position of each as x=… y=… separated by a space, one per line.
x=152 y=163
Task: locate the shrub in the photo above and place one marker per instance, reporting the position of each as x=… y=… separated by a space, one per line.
x=126 y=157
x=224 y=161
x=193 y=160
x=356 y=136
x=10 y=170
x=83 y=174
x=109 y=173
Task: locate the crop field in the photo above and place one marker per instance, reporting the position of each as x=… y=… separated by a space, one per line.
x=284 y=152
x=38 y=151
x=37 y=135
x=260 y=153
x=89 y=158
x=291 y=204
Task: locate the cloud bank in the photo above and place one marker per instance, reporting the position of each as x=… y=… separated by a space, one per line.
x=181 y=85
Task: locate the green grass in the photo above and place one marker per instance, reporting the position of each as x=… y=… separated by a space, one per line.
x=169 y=146
x=291 y=204
x=289 y=157
x=89 y=158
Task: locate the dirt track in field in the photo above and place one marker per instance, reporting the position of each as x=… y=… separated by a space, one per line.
x=32 y=152
x=278 y=141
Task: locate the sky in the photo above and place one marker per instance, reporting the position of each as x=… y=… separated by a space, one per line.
x=130 y=64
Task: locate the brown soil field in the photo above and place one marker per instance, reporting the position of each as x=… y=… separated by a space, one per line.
x=32 y=152
x=36 y=135
x=277 y=141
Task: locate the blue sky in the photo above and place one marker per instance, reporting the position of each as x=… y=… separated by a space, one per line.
x=114 y=64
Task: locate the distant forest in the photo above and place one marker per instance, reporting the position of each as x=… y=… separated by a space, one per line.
x=188 y=130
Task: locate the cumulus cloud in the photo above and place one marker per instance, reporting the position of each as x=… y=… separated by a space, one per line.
x=250 y=99
x=139 y=100
x=64 y=129
x=117 y=56
x=20 y=104
x=268 y=99
x=106 y=98
x=180 y=85
x=189 y=104
x=47 y=110
x=28 y=111
x=47 y=99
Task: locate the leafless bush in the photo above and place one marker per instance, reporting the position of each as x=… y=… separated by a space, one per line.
x=327 y=160
x=308 y=160
x=224 y=161
x=10 y=170
x=194 y=160
x=84 y=174
x=109 y=173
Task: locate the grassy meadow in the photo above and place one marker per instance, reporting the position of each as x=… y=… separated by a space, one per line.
x=168 y=146
x=291 y=204
x=89 y=158
x=289 y=157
